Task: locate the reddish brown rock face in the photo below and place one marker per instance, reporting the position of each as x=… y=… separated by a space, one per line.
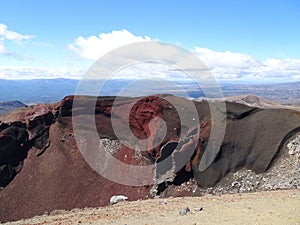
x=142 y=112
x=42 y=169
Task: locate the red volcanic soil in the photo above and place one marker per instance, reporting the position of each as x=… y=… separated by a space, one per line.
x=42 y=169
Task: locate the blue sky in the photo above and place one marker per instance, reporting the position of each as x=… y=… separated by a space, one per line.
x=260 y=34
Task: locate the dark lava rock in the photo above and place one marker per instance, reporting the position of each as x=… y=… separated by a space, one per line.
x=13 y=150
x=252 y=141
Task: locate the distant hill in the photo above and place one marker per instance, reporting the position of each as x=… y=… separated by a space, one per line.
x=253 y=101
x=6 y=107
x=282 y=93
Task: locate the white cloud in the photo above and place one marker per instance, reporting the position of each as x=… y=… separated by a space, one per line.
x=94 y=47
x=8 y=35
x=225 y=59
x=11 y=35
x=233 y=65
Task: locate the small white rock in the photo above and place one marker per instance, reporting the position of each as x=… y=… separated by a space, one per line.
x=164 y=202
x=184 y=211
x=117 y=198
x=199 y=209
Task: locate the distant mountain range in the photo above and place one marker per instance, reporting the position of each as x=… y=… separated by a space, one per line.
x=53 y=90
x=36 y=91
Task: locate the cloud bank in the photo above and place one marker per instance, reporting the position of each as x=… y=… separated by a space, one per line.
x=232 y=65
x=30 y=72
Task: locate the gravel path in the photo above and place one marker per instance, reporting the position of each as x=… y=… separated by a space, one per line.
x=270 y=207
